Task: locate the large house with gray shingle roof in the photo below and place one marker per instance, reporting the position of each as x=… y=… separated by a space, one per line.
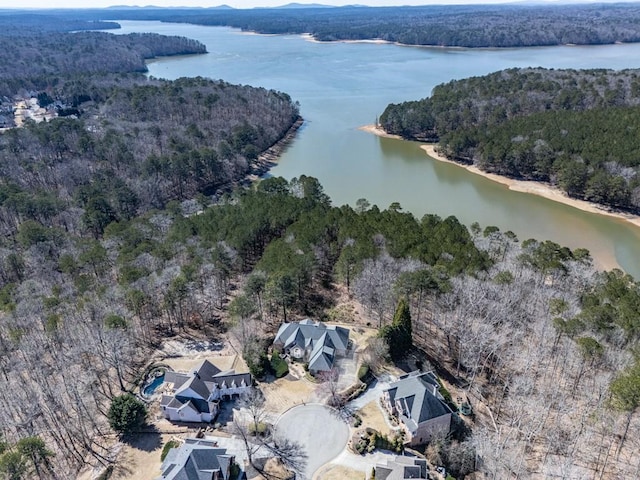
x=402 y=468
x=417 y=403
x=313 y=342
x=194 y=396
x=197 y=460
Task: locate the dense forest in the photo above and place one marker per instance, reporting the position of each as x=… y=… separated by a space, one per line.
x=26 y=22
x=121 y=145
x=459 y=26
x=577 y=129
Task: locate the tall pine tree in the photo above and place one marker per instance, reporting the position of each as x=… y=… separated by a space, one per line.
x=398 y=334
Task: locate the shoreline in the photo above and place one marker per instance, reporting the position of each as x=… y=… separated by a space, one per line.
x=523 y=186
x=269 y=157
x=378 y=41
x=536 y=188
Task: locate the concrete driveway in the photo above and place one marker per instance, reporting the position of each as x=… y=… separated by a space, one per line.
x=319 y=429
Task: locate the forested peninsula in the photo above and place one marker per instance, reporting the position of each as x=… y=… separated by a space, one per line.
x=574 y=129
x=452 y=26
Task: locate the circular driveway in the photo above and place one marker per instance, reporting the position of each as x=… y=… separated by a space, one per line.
x=319 y=429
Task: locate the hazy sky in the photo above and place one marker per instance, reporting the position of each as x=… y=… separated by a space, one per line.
x=233 y=3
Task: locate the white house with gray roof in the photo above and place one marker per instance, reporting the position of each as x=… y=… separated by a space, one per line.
x=313 y=342
x=197 y=460
x=416 y=401
x=194 y=396
x=402 y=468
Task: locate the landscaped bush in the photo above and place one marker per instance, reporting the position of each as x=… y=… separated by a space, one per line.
x=354 y=391
x=372 y=439
x=168 y=446
x=278 y=365
x=447 y=396
x=259 y=429
x=363 y=372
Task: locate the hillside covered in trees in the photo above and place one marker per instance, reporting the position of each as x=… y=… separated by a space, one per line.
x=459 y=26
x=120 y=146
x=577 y=129
x=135 y=145
x=529 y=329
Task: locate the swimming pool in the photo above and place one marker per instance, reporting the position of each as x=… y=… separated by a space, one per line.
x=149 y=389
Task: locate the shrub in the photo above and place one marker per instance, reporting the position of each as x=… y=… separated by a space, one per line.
x=168 y=446
x=363 y=372
x=259 y=429
x=234 y=471
x=445 y=393
x=278 y=365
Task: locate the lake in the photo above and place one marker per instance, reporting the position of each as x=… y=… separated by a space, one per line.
x=342 y=86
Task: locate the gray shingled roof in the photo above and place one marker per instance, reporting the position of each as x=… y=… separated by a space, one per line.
x=324 y=340
x=195 y=384
x=206 y=370
x=416 y=394
x=177 y=378
x=230 y=377
x=402 y=468
x=195 y=460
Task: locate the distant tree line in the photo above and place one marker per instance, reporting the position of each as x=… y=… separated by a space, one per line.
x=577 y=129
x=27 y=22
x=460 y=26
x=40 y=60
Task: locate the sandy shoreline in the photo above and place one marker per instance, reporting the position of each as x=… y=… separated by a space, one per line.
x=534 y=188
x=525 y=186
x=378 y=131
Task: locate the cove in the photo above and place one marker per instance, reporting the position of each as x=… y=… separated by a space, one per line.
x=342 y=86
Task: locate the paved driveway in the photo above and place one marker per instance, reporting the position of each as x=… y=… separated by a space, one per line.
x=323 y=434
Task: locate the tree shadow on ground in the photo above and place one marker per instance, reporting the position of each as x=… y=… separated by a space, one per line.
x=146 y=440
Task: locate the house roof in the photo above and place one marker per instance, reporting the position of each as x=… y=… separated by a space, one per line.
x=228 y=379
x=170 y=401
x=417 y=395
x=401 y=468
x=177 y=378
x=322 y=341
x=193 y=390
x=206 y=369
x=195 y=460
x=197 y=386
